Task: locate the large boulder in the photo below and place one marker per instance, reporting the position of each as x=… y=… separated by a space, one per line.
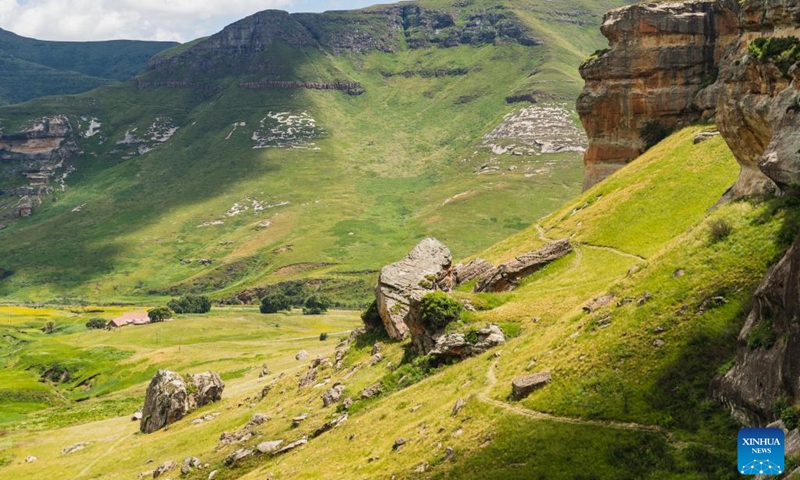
x=402 y=285
x=506 y=277
x=523 y=386
x=456 y=346
x=169 y=398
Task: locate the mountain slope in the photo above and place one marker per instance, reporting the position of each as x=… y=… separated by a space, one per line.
x=35 y=68
x=230 y=200
x=621 y=404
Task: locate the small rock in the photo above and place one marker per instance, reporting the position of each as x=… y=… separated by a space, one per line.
x=269 y=447
x=703 y=136
x=399 y=442
x=296 y=421
x=598 y=303
x=212 y=475
x=524 y=386
x=301 y=355
x=415 y=408
x=625 y=301
x=460 y=404
x=31 y=459
x=448 y=454
x=238 y=455
x=137 y=416
x=189 y=464
x=658 y=329
x=422 y=468
x=258 y=419
x=347 y=403
x=74 y=448
x=679 y=273
x=264 y=371
x=645 y=298
x=333 y=395
x=371 y=391
x=291 y=446
x=145 y=474
x=376 y=349
x=165 y=467
x=659 y=343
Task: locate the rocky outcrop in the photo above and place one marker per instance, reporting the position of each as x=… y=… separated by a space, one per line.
x=170 y=397
x=647 y=82
x=457 y=346
x=766 y=366
x=402 y=285
x=350 y=88
x=465 y=273
x=507 y=276
x=521 y=387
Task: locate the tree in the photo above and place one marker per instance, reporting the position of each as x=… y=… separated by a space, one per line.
x=438 y=310
x=96 y=323
x=49 y=327
x=190 y=304
x=316 y=305
x=274 y=303
x=323 y=336
x=159 y=314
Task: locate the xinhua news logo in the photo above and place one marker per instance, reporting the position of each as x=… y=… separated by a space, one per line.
x=761 y=451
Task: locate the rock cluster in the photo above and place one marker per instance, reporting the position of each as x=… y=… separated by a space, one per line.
x=507 y=276
x=457 y=346
x=170 y=397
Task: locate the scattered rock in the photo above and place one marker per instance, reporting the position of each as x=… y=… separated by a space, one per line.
x=329 y=425
x=333 y=395
x=598 y=303
x=460 y=404
x=347 y=403
x=371 y=391
x=264 y=371
x=376 y=349
x=269 y=447
x=421 y=468
x=398 y=443
x=234 y=457
x=145 y=474
x=74 y=448
x=212 y=475
x=291 y=446
x=703 y=136
x=376 y=359
x=645 y=298
x=625 y=301
x=507 y=276
x=168 y=399
x=659 y=329
x=456 y=346
x=296 y=421
x=448 y=454
x=710 y=303
x=31 y=459
x=301 y=355
x=165 y=467
x=308 y=378
x=524 y=386
x=659 y=343
x=258 y=419
x=189 y=464
x=137 y=416
x=678 y=273
x=472 y=270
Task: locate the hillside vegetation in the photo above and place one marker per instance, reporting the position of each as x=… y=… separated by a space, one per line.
x=627 y=400
x=366 y=176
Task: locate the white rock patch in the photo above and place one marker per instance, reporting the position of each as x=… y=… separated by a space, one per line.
x=285 y=130
x=546 y=128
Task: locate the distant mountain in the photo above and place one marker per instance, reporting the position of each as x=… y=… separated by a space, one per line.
x=35 y=68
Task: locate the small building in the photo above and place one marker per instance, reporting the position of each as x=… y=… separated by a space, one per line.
x=129 y=318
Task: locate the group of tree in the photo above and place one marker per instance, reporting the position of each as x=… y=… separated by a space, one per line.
x=190 y=304
x=276 y=301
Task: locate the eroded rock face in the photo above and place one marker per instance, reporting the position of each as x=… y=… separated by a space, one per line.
x=507 y=276
x=457 y=346
x=402 y=285
x=760 y=376
x=169 y=398
x=659 y=57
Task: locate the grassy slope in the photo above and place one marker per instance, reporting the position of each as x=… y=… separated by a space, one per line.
x=390 y=159
x=35 y=68
x=621 y=408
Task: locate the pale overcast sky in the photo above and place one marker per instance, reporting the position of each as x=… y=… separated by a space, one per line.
x=178 y=20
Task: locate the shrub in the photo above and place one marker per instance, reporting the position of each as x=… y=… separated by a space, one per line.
x=652 y=133
x=719 y=229
x=96 y=323
x=439 y=309
x=761 y=336
x=190 y=304
x=789 y=417
x=782 y=51
x=323 y=336
x=49 y=327
x=372 y=317
x=275 y=302
x=316 y=305
x=159 y=314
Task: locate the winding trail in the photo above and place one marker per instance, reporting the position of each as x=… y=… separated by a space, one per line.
x=107 y=453
x=491 y=378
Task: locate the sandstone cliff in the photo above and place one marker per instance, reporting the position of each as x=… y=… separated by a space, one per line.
x=659 y=57
x=736 y=63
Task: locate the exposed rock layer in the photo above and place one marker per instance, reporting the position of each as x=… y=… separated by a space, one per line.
x=169 y=398
x=507 y=276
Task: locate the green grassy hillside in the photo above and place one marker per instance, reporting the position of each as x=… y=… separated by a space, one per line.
x=628 y=396
x=368 y=175
x=35 y=68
